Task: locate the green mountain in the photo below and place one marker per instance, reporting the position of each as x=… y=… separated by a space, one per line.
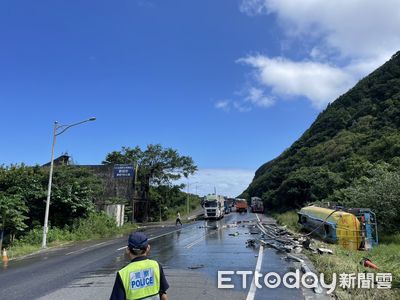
x=352 y=137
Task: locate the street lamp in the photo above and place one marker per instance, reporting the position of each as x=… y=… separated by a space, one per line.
x=58 y=129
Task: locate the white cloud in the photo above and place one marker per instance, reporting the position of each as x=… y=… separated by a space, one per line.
x=223 y=104
x=227 y=182
x=318 y=82
x=241 y=107
x=257 y=97
x=346 y=41
x=366 y=28
x=253 y=7
x=227 y=105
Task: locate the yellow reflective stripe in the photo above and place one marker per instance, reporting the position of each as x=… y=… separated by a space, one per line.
x=141 y=279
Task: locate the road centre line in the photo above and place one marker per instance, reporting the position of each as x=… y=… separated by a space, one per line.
x=155 y=237
x=83 y=249
x=102 y=243
x=188 y=246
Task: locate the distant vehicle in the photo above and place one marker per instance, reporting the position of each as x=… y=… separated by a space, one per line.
x=241 y=205
x=352 y=228
x=227 y=206
x=214 y=207
x=257 y=205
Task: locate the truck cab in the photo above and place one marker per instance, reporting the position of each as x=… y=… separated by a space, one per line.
x=241 y=205
x=214 y=207
x=257 y=205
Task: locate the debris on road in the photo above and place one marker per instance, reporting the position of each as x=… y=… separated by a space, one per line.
x=279 y=238
x=297 y=249
x=292 y=244
x=232 y=225
x=209 y=226
x=324 y=250
x=254 y=231
x=306 y=243
x=306 y=269
x=194 y=267
x=251 y=243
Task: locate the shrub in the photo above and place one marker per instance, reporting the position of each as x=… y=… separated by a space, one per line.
x=94 y=226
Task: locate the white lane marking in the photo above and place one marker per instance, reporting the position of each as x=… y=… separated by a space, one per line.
x=83 y=249
x=190 y=245
x=155 y=237
x=252 y=291
x=253 y=288
x=258 y=218
x=164 y=234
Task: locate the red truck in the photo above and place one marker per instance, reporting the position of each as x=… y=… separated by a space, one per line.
x=241 y=205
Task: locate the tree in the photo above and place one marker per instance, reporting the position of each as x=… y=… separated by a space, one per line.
x=379 y=190
x=156 y=164
x=30 y=183
x=158 y=168
x=12 y=213
x=73 y=194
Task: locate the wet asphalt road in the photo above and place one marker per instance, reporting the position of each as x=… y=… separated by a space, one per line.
x=190 y=256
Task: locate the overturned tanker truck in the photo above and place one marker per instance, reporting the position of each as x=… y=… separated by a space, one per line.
x=352 y=228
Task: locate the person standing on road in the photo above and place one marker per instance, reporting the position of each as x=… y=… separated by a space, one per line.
x=178 y=219
x=143 y=278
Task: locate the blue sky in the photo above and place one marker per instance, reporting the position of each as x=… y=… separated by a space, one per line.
x=230 y=83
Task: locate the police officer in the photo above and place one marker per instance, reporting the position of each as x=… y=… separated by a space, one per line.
x=143 y=278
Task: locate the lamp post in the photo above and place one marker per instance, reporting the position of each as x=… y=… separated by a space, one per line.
x=58 y=129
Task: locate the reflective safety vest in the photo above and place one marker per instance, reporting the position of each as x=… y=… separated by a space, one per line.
x=141 y=279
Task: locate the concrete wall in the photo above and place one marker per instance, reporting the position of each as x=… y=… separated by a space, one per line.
x=113 y=187
x=120 y=188
x=117 y=212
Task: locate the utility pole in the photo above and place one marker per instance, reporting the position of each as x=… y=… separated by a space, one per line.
x=63 y=128
x=134 y=193
x=160 y=212
x=46 y=215
x=187 y=201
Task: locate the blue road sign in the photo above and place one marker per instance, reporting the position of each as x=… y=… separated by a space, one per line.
x=123 y=171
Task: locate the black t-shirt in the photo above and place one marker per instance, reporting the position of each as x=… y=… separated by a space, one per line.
x=118 y=292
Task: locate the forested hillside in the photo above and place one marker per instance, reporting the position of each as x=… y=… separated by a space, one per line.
x=352 y=145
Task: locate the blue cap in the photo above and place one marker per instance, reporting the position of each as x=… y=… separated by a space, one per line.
x=137 y=241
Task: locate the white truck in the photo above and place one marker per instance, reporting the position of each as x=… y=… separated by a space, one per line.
x=257 y=205
x=214 y=206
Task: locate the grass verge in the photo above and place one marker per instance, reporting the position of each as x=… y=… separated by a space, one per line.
x=96 y=226
x=386 y=256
